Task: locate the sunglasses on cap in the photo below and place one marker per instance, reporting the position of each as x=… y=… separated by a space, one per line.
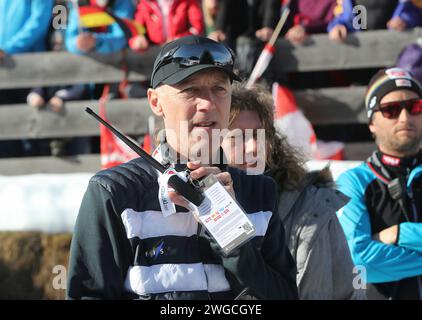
x=392 y=110
x=188 y=55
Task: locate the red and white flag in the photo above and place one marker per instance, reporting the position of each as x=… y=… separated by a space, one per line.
x=261 y=65
x=113 y=150
x=291 y=121
x=268 y=51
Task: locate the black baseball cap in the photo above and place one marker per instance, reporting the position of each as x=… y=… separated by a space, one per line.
x=181 y=58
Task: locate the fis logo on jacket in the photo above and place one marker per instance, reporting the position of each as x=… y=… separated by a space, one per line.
x=156 y=251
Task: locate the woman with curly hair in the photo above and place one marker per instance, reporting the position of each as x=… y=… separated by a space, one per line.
x=307 y=201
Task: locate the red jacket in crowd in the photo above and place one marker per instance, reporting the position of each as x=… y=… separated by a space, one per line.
x=185 y=18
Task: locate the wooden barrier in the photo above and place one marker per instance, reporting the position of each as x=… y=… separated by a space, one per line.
x=326 y=106
x=63 y=68
x=20 y=121
x=323 y=106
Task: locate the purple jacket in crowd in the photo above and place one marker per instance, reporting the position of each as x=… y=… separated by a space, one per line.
x=313 y=15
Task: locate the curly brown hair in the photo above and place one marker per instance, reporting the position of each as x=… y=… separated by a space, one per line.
x=284 y=163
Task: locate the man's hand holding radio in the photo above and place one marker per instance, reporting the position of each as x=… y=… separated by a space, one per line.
x=197 y=172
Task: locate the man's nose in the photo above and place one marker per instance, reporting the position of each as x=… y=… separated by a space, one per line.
x=205 y=101
x=404 y=116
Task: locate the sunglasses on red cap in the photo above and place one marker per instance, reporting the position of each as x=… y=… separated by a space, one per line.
x=392 y=110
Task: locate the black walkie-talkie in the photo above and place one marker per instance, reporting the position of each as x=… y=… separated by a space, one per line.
x=185 y=189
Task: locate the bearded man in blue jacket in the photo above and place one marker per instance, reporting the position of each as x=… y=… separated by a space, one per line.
x=382 y=221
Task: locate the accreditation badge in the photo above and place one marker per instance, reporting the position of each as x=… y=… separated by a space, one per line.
x=223 y=217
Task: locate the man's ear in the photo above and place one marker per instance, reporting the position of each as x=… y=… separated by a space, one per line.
x=372 y=127
x=154 y=102
x=371 y=124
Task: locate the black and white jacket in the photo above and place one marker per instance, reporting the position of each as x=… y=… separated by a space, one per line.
x=123 y=247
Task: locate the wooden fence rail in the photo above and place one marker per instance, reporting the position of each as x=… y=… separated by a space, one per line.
x=322 y=107
x=372 y=49
x=20 y=121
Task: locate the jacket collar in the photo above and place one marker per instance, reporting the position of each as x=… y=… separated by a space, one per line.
x=388 y=167
x=288 y=199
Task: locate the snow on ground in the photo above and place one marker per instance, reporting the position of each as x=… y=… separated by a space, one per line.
x=41 y=202
x=50 y=202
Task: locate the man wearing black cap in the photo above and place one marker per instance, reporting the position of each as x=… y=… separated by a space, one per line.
x=383 y=220
x=125 y=245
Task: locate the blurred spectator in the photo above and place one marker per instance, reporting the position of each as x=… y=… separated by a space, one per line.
x=54 y=99
x=308 y=17
x=24 y=25
x=407 y=15
x=23 y=28
x=259 y=19
x=210 y=10
x=247 y=35
x=393 y=14
x=167 y=20
x=102 y=40
x=410 y=59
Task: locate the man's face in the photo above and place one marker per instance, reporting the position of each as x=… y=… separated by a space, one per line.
x=192 y=109
x=398 y=137
x=244 y=145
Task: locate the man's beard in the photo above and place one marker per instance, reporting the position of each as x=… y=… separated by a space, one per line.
x=407 y=146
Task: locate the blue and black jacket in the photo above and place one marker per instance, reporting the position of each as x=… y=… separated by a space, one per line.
x=393 y=271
